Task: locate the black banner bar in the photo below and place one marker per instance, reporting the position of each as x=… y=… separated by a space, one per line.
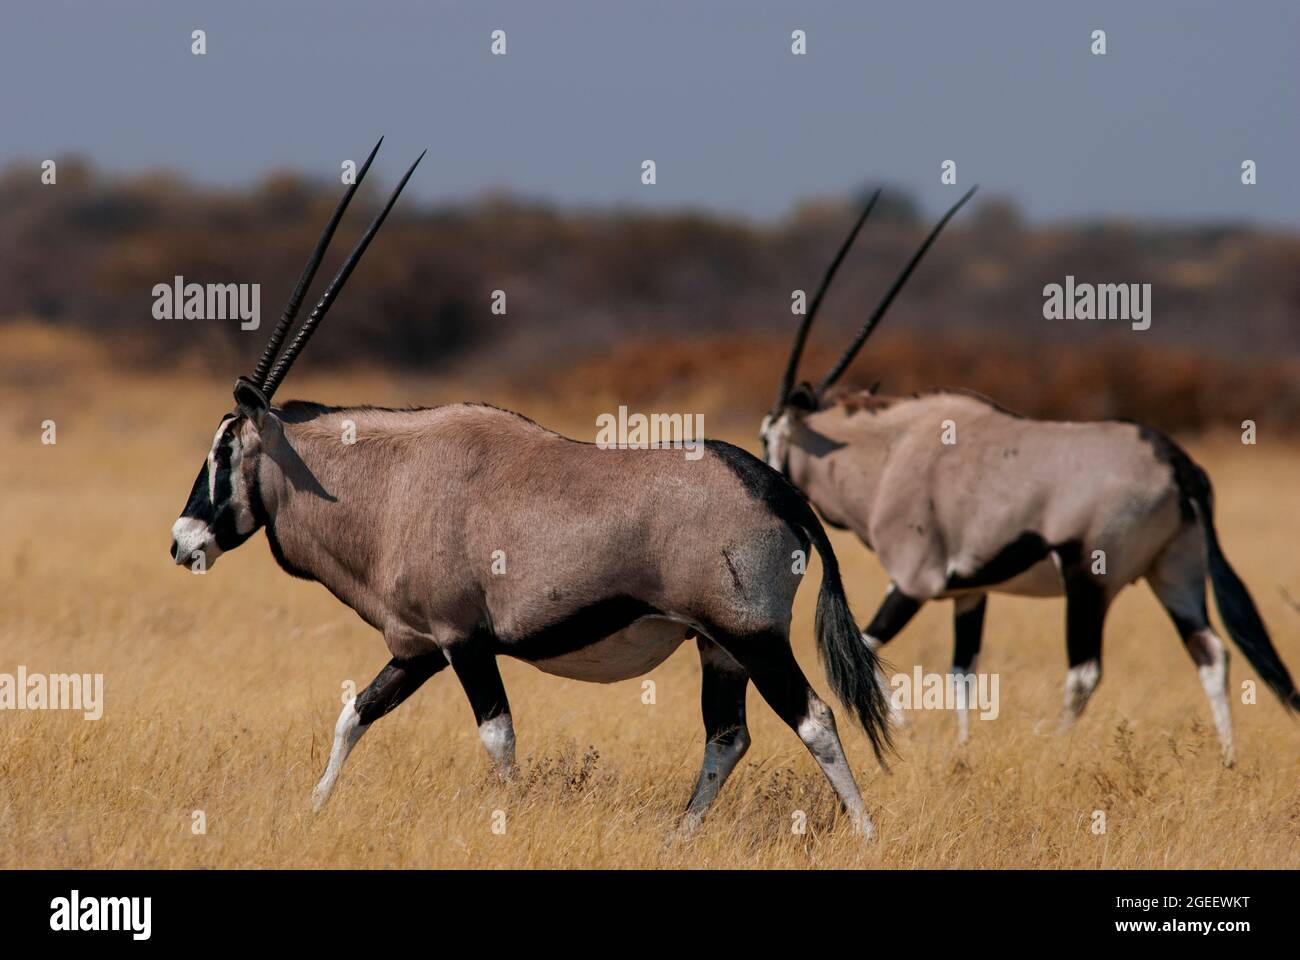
x=898 y=909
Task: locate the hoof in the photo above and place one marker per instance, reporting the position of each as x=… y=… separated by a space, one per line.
x=864 y=828
x=689 y=826
x=680 y=834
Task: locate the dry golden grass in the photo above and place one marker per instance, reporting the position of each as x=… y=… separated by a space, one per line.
x=222 y=690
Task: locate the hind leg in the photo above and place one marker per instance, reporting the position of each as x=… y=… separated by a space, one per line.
x=722 y=699
x=968 y=630
x=895 y=612
x=767 y=658
x=1086 y=603
x=397 y=681
x=1178 y=580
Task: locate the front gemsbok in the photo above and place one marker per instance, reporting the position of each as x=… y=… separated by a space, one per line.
x=959 y=497
x=463 y=532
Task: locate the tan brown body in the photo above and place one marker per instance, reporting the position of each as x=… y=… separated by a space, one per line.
x=465 y=532
x=436 y=524
x=939 y=485
x=959 y=497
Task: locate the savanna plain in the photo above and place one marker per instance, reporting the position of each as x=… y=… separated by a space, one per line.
x=221 y=690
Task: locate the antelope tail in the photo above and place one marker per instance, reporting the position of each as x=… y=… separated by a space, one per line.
x=851 y=666
x=1238 y=609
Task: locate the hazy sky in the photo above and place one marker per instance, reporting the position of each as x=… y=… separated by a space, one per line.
x=1156 y=128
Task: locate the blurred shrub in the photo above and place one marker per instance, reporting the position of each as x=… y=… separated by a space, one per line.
x=642 y=302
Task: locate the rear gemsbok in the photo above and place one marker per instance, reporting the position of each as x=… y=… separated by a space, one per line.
x=462 y=532
x=959 y=497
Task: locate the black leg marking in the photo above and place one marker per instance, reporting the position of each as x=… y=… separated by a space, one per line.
x=1178 y=580
x=968 y=630
x=722 y=700
x=1085 y=613
x=771 y=665
x=1086 y=603
x=397 y=681
x=476 y=668
x=767 y=657
x=894 y=614
x=1187 y=624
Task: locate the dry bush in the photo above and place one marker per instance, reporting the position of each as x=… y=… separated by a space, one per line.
x=582 y=282
x=1175 y=390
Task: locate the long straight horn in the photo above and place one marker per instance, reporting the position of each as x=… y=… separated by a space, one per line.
x=874 y=319
x=308 y=273
x=327 y=298
x=801 y=337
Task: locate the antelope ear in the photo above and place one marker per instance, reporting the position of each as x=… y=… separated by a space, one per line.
x=251 y=401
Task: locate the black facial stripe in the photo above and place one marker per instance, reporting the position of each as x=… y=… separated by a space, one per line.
x=223 y=487
x=199 y=505
x=223 y=526
x=220 y=514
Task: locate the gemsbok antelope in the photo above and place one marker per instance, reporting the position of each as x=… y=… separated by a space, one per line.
x=959 y=497
x=463 y=532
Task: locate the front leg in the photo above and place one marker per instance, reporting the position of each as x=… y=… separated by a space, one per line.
x=1086 y=603
x=968 y=630
x=476 y=666
x=894 y=614
x=397 y=681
